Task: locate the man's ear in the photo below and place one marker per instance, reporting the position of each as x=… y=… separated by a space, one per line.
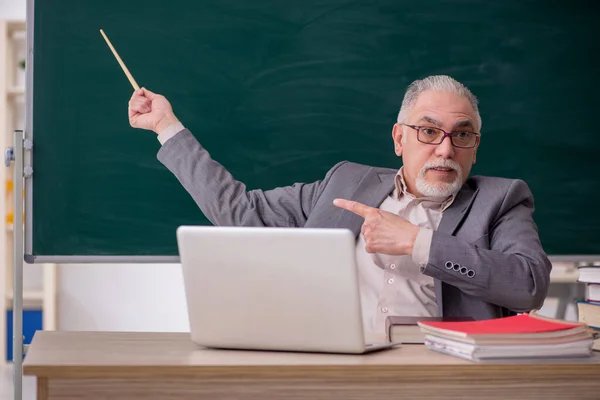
x=397 y=134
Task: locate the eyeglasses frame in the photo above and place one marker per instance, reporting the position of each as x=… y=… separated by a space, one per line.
x=446 y=134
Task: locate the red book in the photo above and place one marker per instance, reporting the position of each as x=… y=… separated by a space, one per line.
x=519 y=324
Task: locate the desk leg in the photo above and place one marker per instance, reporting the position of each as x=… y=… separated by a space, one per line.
x=561 y=308
x=567 y=293
x=42 y=388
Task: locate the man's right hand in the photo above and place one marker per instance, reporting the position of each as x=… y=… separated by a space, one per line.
x=150 y=111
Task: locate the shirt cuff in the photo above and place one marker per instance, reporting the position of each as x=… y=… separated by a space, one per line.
x=420 y=254
x=170 y=131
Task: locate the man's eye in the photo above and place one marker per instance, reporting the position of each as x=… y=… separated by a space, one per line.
x=429 y=131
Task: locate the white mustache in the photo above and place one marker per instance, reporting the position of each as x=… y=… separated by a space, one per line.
x=444 y=163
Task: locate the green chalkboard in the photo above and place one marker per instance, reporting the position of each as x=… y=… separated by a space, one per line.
x=279 y=91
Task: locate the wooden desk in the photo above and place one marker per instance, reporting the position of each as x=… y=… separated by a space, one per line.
x=93 y=365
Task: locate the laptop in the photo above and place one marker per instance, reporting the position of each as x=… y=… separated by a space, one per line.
x=281 y=289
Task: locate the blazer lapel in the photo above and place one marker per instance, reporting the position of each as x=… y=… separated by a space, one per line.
x=454 y=215
x=371 y=191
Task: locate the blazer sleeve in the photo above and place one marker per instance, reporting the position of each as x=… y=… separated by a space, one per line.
x=225 y=200
x=513 y=273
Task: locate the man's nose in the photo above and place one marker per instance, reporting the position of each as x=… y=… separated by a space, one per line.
x=445 y=149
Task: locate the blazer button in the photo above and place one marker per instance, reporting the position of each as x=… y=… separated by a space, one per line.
x=463 y=270
x=470 y=273
x=449 y=264
x=456 y=267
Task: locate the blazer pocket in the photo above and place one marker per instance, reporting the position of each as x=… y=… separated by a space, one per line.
x=483 y=242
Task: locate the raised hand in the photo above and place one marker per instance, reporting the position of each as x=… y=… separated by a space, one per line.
x=148 y=110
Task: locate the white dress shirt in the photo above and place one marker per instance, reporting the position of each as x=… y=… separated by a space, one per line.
x=394 y=285
x=169 y=132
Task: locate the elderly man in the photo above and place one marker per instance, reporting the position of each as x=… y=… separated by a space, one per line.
x=429 y=239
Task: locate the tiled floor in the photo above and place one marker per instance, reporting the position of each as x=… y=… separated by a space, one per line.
x=6 y=384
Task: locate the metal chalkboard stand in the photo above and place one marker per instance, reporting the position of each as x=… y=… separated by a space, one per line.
x=16 y=155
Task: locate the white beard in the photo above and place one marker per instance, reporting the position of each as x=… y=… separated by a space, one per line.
x=439 y=189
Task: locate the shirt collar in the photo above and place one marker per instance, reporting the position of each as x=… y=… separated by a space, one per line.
x=428 y=202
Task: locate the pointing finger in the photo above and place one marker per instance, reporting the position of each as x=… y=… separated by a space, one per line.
x=353 y=206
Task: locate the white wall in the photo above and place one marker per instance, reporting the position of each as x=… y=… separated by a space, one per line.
x=121 y=297
x=12 y=9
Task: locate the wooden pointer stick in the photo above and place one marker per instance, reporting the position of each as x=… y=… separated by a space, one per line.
x=121 y=63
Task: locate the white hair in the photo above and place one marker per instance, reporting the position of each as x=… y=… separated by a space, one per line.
x=438 y=83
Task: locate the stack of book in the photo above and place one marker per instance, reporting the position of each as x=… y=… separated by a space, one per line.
x=588 y=310
x=524 y=336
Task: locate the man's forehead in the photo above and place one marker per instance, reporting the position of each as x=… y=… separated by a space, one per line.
x=443 y=107
x=457 y=122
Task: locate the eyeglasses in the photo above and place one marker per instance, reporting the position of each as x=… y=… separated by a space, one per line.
x=431 y=135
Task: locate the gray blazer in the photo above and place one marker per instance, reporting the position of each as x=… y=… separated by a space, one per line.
x=485 y=257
